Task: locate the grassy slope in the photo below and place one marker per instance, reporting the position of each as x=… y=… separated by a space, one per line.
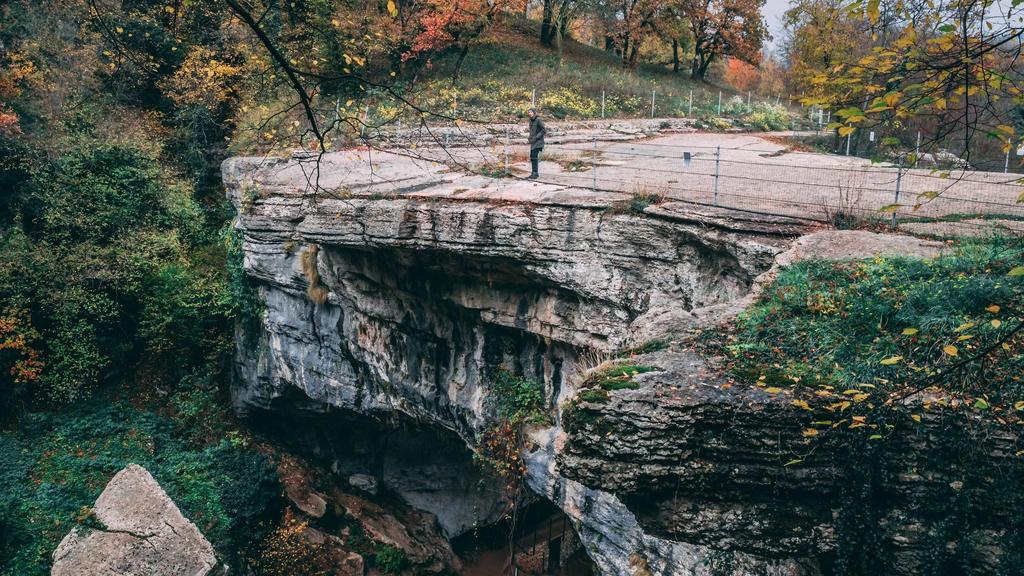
x=502 y=71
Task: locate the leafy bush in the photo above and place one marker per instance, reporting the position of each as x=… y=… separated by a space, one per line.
x=766 y=117
x=890 y=324
x=94 y=195
x=110 y=261
x=566 y=101
x=389 y=559
x=514 y=401
x=516 y=398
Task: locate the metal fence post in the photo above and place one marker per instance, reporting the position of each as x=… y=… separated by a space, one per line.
x=1006 y=165
x=593 y=163
x=507 y=172
x=602 y=103
x=689 y=110
x=718 y=156
x=719 y=102
x=533 y=102
x=848 y=136
x=652 y=103
x=896 y=200
x=917 y=149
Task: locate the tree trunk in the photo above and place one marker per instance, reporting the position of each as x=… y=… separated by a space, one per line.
x=701 y=63
x=675 y=55
x=458 y=63
x=546 y=27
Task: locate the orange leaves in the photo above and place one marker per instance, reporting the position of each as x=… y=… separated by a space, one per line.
x=17 y=355
x=445 y=23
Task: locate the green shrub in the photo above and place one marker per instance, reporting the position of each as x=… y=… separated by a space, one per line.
x=94 y=195
x=516 y=398
x=885 y=321
x=389 y=559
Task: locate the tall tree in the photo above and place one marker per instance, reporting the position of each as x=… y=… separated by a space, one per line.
x=631 y=22
x=724 y=27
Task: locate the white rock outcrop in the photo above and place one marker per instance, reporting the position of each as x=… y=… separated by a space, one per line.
x=141 y=533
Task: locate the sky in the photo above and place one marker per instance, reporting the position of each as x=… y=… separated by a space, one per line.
x=773 y=11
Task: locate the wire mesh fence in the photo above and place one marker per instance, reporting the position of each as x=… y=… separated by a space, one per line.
x=817 y=187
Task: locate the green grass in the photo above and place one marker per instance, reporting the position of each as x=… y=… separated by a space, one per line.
x=883 y=325
x=616 y=377
x=501 y=72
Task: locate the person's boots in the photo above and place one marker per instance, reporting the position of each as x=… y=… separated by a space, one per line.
x=533 y=175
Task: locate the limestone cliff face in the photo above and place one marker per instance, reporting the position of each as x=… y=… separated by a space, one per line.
x=394 y=292
x=428 y=287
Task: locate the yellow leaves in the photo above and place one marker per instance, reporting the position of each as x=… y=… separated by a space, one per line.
x=392 y=9
x=981 y=404
x=840 y=406
x=860 y=397
x=909 y=331
x=1019 y=405
x=1007 y=130
x=1016 y=271
x=801 y=404
x=846 y=130
x=119 y=30
x=915 y=417
x=202 y=79
x=996 y=323
x=169 y=9
x=950 y=350
x=773 y=390
x=891 y=360
x=874 y=11
x=964 y=326
x=810 y=432
x=993 y=309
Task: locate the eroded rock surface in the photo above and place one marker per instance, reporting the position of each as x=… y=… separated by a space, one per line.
x=395 y=298
x=140 y=532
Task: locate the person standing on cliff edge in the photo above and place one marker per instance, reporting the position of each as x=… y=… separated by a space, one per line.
x=536 y=140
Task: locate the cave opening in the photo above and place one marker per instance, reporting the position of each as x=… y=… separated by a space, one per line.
x=539 y=540
x=399 y=462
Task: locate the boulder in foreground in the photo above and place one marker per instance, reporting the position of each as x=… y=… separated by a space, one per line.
x=140 y=532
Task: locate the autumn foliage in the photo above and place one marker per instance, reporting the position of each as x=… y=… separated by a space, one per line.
x=19 y=359
x=740 y=75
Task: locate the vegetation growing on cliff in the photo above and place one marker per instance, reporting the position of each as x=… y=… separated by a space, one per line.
x=947 y=332
x=514 y=402
x=902 y=356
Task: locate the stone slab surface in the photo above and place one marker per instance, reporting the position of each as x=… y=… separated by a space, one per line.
x=141 y=533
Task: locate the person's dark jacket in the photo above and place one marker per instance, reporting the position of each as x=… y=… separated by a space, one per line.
x=537 y=133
